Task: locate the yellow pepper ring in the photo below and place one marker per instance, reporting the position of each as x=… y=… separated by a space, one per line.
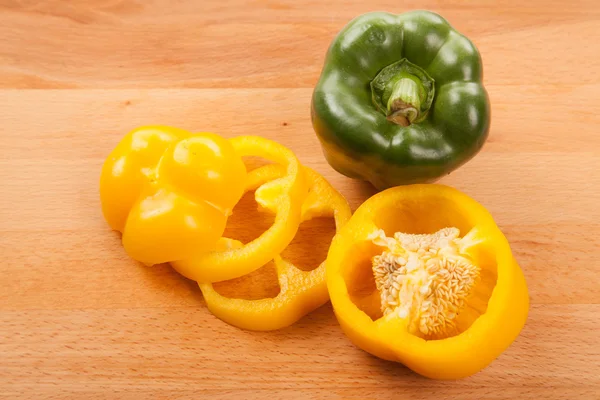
x=300 y=291
x=374 y=293
x=283 y=196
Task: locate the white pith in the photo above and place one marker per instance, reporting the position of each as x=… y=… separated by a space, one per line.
x=425 y=278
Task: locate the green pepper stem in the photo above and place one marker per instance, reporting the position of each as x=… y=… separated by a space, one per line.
x=404 y=102
x=403 y=92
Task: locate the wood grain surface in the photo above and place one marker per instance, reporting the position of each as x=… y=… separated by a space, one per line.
x=80 y=320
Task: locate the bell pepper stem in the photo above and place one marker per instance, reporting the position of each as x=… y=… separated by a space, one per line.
x=404 y=102
x=403 y=92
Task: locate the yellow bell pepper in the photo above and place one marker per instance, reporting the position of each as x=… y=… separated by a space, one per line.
x=422 y=275
x=283 y=196
x=170 y=191
x=300 y=291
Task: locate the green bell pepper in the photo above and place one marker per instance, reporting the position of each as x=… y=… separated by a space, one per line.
x=400 y=99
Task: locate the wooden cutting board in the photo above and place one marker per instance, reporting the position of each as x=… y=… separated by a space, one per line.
x=79 y=319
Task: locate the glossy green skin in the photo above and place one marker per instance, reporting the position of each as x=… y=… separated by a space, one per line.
x=357 y=139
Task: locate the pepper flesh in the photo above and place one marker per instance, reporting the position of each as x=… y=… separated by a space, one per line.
x=170 y=191
x=400 y=99
x=499 y=296
x=283 y=196
x=301 y=291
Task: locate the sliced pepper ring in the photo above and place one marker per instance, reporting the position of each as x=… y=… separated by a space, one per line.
x=422 y=210
x=300 y=291
x=283 y=196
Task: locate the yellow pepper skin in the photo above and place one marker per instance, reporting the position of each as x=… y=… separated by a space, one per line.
x=301 y=291
x=283 y=196
x=424 y=209
x=170 y=191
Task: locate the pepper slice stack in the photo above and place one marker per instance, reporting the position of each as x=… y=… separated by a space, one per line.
x=170 y=193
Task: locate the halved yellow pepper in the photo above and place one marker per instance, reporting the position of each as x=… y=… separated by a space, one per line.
x=300 y=291
x=170 y=191
x=283 y=196
x=422 y=275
